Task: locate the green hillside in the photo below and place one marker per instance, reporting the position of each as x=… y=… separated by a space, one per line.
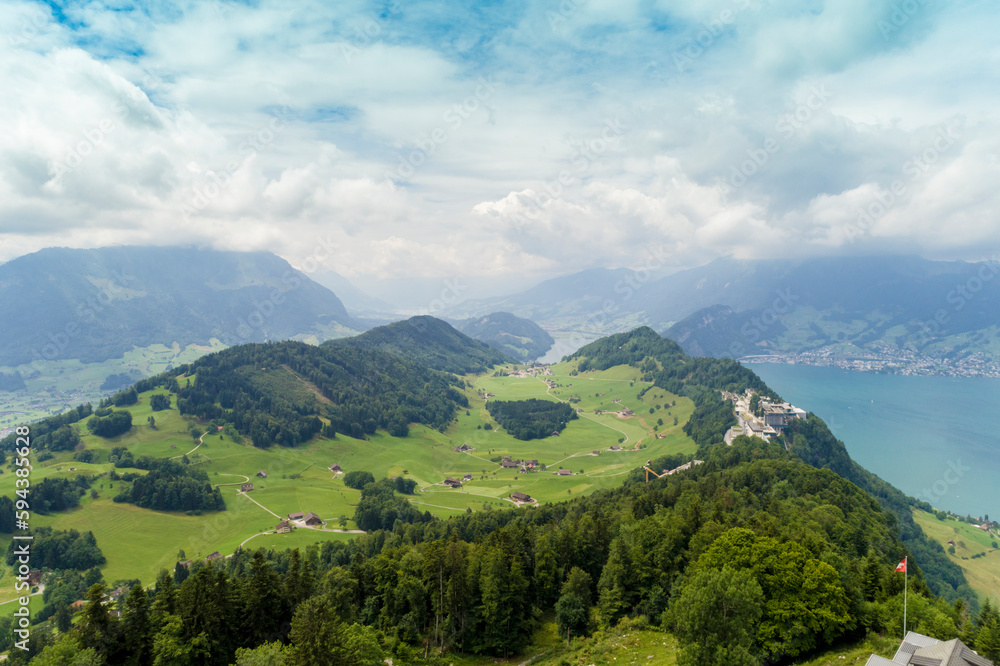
x=431 y=342
x=515 y=336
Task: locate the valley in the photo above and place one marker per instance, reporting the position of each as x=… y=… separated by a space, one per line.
x=139 y=542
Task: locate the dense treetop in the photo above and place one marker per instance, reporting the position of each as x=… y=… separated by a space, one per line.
x=531 y=419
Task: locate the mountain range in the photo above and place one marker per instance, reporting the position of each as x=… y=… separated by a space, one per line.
x=838 y=306
x=94 y=305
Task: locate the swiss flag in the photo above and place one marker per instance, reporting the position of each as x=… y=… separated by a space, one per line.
x=901 y=566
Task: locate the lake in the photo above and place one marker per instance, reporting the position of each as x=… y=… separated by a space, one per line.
x=936 y=438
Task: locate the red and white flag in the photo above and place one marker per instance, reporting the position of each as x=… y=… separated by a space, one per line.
x=901 y=566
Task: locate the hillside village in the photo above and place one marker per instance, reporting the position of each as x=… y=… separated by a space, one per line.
x=758 y=417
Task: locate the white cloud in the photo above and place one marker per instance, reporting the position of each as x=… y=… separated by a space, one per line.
x=410 y=141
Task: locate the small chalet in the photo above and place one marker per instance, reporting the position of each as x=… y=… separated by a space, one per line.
x=615 y=447
x=214 y=556
x=312 y=519
x=262 y=474
x=295 y=516
x=335 y=469
x=555 y=433
x=564 y=472
x=463 y=448
x=246 y=487
x=453 y=483
x=34 y=577
x=284 y=527
x=520 y=497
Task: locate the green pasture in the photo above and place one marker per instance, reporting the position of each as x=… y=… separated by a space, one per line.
x=983 y=572
x=139 y=542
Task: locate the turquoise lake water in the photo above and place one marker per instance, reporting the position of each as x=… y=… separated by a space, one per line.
x=936 y=438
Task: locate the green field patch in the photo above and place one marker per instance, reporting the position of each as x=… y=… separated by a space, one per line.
x=982 y=572
x=299 y=538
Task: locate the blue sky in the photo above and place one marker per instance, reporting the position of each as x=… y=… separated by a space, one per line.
x=514 y=140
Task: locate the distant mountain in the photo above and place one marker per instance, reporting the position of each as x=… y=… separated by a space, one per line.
x=846 y=307
x=431 y=342
x=566 y=297
x=96 y=304
x=838 y=307
x=354 y=299
x=516 y=336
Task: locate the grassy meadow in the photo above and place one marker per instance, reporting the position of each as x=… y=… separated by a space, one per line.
x=139 y=542
x=983 y=572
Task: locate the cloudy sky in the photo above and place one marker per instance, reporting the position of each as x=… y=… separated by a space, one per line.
x=502 y=139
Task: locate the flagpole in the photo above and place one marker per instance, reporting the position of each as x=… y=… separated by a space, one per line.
x=906 y=573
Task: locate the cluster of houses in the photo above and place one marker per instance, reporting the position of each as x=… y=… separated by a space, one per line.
x=310 y=519
x=774 y=416
x=522 y=466
x=455 y=483
x=622 y=413
x=531 y=371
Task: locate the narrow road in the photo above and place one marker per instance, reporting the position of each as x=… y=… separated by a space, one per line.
x=201 y=440
x=246 y=479
x=260 y=505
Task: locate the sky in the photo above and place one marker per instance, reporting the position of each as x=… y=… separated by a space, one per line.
x=394 y=141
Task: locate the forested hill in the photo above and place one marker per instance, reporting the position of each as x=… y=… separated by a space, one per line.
x=665 y=364
x=100 y=303
x=521 y=338
x=275 y=393
x=430 y=342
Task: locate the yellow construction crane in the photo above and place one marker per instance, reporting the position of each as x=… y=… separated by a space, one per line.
x=649 y=471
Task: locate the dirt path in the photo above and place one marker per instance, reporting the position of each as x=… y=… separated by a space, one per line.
x=261 y=505
x=201 y=440
x=246 y=479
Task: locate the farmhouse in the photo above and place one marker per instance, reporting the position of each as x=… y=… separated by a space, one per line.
x=563 y=472
x=626 y=412
x=214 y=556
x=34 y=577
x=312 y=519
x=284 y=527
x=452 y=483
x=463 y=448
x=508 y=464
x=335 y=469
x=520 y=497
x=295 y=516
x=615 y=447
x=468 y=477
x=246 y=487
